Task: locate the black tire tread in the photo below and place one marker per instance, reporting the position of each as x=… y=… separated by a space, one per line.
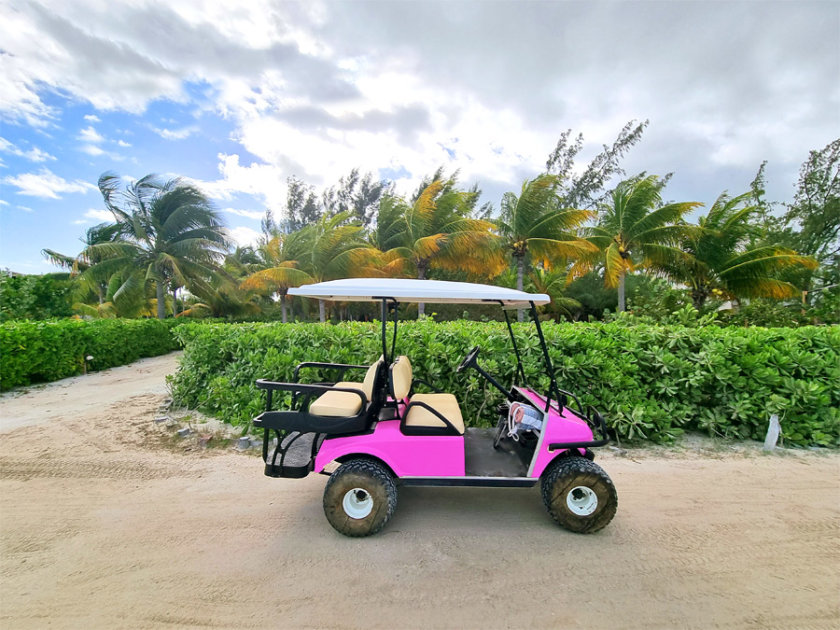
x=377 y=473
x=582 y=470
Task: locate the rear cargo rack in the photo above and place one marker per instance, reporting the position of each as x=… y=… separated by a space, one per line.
x=293 y=453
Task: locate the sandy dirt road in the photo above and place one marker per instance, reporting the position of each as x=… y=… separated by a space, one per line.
x=102 y=526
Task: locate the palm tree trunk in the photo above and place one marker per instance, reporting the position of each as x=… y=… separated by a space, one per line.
x=322 y=311
x=161 y=301
x=520 y=283
x=174 y=301
x=283 y=306
x=621 y=304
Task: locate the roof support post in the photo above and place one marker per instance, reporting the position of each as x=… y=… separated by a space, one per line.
x=520 y=371
x=384 y=318
x=386 y=303
x=549 y=369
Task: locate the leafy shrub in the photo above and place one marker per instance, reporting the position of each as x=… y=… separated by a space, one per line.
x=32 y=351
x=35 y=297
x=651 y=382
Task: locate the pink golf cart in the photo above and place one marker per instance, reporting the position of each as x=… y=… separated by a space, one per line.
x=378 y=432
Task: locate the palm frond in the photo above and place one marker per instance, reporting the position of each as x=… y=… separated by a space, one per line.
x=552 y=249
x=275 y=279
x=614 y=266
x=659 y=218
x=428 y=246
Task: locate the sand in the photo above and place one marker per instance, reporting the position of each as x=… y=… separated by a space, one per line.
x=105 y=522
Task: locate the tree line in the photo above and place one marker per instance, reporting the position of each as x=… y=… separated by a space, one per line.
x=167 y=250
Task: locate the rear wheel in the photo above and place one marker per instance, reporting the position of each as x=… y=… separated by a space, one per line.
x=579 y=495
x=360 y=497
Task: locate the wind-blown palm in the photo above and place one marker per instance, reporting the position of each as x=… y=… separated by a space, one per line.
x=721 y=260
x=331 y=248
x=169 y=234
x=552 y=282
x=536 y=230
x=281 y=255
x=102 y=233
x=436 y=231
x=632 y=223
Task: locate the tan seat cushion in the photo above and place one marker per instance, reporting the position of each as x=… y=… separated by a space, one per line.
x=445 y=404
x=401 y=377
x=370 y=379
x=338 y=404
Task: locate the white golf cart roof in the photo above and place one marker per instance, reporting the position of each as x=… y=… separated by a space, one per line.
x=428 y=291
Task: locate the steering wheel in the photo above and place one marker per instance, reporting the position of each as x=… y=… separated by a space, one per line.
x=468 y=360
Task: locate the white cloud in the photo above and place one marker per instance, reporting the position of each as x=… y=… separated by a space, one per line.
x=92 y=149
x=89 y=134
x=123 y=143
x=99 y=215
x=3 y=202
x=250 y=214
x=96 y=151
x=317 y=88
x=33 y=155
x=175 y=134
x=266 y=181
x=46 y=184
x=24 y=208
x=243 y=236
x=95 y=216
x=36 y=155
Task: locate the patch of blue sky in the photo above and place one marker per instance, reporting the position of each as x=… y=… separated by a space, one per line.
x=393 y=174
x=170 y=138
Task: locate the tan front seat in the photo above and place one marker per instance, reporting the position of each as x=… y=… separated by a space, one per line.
x=418 y=419
x=445 y=404
x=345 y=404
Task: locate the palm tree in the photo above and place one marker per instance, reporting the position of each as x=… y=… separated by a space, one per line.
x=436 y=230
x=722 y=260
x=537 y=231
x=552 y=282
x=221 y=297
x=331 y=248
x=280 y=256
x=169 y=234
x=101 y=233
x=633 y=223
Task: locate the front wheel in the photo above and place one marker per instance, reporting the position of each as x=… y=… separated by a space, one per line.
x=360 y=497
x=579 y=495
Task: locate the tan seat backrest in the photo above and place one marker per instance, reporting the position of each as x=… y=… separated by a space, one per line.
x=370 y=379
x=401 y=378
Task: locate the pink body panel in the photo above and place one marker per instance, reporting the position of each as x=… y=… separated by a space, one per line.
x=407 y=455
x=443 y=455
x=565 y=427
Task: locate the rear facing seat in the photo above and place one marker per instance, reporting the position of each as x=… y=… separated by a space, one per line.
x=421 y=416
x=345 y=404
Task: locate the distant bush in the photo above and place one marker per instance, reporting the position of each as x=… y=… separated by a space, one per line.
x=652 y=382
x=35 y=297
x=37 y=351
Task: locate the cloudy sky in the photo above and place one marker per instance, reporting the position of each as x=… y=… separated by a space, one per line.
x=239 y=96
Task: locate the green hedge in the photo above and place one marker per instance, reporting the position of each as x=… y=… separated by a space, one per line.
x=37 y=351
x=652 y=382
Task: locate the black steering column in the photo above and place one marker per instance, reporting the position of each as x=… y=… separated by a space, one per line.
x=471 y=361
